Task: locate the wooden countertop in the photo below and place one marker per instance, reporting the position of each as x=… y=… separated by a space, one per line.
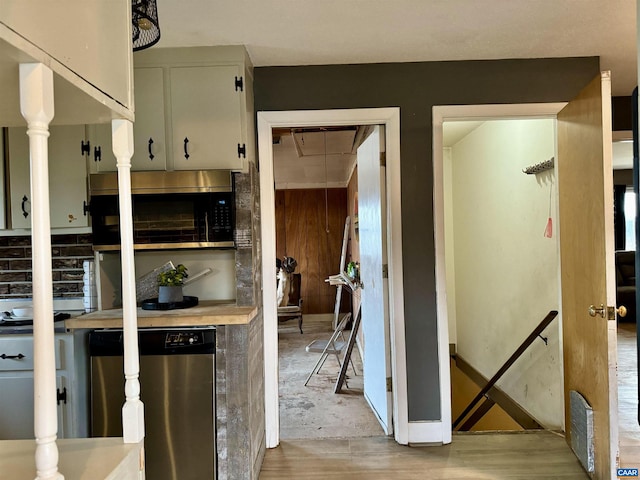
x=208 y=312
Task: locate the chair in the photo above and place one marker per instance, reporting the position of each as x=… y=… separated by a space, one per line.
x=334 y=346
x=293 y=308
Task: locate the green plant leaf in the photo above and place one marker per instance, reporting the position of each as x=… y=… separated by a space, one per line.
x=174 y=277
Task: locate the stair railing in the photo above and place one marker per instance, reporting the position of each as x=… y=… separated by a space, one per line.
x=483 y=409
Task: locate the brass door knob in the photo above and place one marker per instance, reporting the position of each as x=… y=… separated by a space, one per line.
x=593 y=311
x=609 y=312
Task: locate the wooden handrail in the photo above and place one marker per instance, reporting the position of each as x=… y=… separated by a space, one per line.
x=512 y=359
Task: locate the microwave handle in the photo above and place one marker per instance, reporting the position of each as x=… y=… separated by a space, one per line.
x=206 y=226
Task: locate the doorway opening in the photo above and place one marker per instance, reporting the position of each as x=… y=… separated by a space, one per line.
x=447 y=330
x=267 y=121
x=502 y=269
x=316 y=196
x=584 y=182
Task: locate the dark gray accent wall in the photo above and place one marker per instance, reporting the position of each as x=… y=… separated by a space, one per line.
x=416 y=88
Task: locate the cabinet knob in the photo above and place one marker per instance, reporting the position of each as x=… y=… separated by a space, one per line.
x=97 y=153
x=85 y=148
x=151 y=156
x=186 y=149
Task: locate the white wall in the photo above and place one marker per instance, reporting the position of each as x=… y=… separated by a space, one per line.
x=220 y=284
x=506 y=271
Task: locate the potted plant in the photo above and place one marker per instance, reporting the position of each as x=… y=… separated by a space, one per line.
x=170 y=284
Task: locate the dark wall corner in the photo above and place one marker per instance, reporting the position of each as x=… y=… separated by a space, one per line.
x=621 y=113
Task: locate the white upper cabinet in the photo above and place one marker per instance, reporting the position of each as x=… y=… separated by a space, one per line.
x=206 y=118
x=101 y=158
x=150 y=151
x=67 y=177
x=150 y=147
x=207 y=106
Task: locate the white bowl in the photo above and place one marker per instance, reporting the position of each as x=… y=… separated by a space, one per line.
x=25 y=312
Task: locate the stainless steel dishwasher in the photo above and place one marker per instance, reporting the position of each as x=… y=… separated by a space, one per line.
x=177 y=382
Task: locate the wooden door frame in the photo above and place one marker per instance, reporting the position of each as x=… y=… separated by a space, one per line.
x=440 y=114
x=390 y=118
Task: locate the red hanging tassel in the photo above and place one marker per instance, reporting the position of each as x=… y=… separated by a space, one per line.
x=548 y=230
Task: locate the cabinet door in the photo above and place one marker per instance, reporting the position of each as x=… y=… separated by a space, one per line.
x=101 y=157
x=67 y=177
x=150 y=148
x=206 y=116
x=16 y=398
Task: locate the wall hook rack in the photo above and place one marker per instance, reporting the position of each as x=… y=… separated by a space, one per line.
x=539 y=167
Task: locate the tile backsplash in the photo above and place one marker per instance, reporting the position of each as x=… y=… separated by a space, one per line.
x=68 y=254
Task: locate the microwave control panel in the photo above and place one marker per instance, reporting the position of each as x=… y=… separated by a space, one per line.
x=222 y=211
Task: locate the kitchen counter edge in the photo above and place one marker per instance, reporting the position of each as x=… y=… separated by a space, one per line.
x=205 y=313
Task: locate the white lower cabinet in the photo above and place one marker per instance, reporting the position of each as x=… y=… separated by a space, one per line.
x=16 y=386
x=67 y=177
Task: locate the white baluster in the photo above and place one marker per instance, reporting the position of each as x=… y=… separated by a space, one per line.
x=36 y=106
x=133 y=409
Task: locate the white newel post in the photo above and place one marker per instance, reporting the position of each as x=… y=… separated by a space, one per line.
x=36 y=106
x=133 y=409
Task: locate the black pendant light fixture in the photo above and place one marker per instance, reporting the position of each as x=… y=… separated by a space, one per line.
x=146 y=29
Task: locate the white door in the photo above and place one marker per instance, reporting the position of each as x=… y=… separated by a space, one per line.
x=373 y=259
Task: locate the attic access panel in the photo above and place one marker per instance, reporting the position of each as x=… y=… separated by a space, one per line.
x=313 y=143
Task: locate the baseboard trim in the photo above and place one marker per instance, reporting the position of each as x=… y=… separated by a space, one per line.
x=431 y=433
x=505 y=402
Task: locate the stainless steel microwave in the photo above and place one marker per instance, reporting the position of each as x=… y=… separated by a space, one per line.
x=186 y=209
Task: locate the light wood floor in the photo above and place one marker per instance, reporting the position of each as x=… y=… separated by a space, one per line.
x=518 y=455
x=628 y=429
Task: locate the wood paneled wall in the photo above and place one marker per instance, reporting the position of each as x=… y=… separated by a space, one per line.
x=302 y=217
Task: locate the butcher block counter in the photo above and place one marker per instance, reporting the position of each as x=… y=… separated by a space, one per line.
x=208 y=312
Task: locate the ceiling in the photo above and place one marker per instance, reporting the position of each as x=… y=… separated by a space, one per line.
x=299 y=159
x=311 y=32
